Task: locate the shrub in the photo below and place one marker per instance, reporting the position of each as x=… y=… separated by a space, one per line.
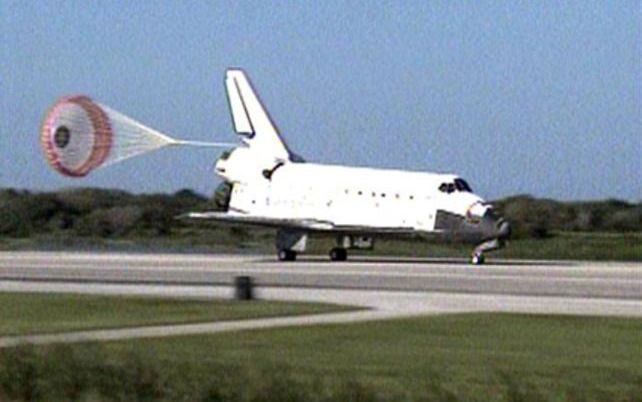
x=19 y=373
x=116 y=221
x=84 y=200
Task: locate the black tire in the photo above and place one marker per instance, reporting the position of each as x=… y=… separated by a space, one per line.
x=338 y=254
x=286 y=255
x=477 y=259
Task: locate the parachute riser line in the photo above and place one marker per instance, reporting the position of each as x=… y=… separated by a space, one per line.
x=203 y=144
x=164 y=137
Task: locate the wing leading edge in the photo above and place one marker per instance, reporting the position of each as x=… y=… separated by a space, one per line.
x=304 y=224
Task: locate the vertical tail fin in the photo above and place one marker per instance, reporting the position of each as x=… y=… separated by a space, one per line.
x=251 y=119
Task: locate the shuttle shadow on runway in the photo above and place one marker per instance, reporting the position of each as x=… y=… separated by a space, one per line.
x=360 y=259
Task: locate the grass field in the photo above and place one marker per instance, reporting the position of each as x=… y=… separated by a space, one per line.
x=471 y=357
x=470 y=354
x=578 y=246
x=29 y=313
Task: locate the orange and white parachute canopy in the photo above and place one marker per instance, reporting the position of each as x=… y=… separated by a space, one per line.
x=79 y=135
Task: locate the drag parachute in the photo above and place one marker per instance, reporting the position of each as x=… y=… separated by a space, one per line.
x=79 y=135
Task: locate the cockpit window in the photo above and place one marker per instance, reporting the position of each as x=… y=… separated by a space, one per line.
x=447 y=187
x=451 y=188
x=462 y=186
x=457 y=185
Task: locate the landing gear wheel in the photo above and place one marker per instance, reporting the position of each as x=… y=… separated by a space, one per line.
x=286 y=255
x=477 y=259
x=338 y=254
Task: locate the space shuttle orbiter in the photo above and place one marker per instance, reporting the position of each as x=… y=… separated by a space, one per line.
x=272 y=186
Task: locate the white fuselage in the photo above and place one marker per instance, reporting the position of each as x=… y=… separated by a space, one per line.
x=341 y=195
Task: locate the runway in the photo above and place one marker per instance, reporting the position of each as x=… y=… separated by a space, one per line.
x=387 y=287
x=553 y=278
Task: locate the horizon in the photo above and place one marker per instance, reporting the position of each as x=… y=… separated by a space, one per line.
x=532 y=99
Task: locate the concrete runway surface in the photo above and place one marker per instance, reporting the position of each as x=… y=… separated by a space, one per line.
x=387 y=287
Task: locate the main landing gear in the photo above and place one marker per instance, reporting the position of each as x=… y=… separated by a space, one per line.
x=336 y=254
x=291 y=242
x=286 y=255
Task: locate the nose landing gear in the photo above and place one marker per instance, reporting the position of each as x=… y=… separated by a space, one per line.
x=477 y=256
x=502 y=231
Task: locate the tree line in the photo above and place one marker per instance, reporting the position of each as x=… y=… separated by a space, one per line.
x=107 y=213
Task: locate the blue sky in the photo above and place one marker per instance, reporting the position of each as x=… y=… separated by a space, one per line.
x=517 y=97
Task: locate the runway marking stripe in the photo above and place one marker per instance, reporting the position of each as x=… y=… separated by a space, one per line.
x=281 y=271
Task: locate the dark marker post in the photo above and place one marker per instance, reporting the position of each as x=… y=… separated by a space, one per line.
x=243 y=286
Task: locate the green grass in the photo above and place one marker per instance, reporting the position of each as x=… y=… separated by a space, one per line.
x=561 y=245
x=578 y=246
x=468 y=352
x=30 y=313
x=471 y=357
